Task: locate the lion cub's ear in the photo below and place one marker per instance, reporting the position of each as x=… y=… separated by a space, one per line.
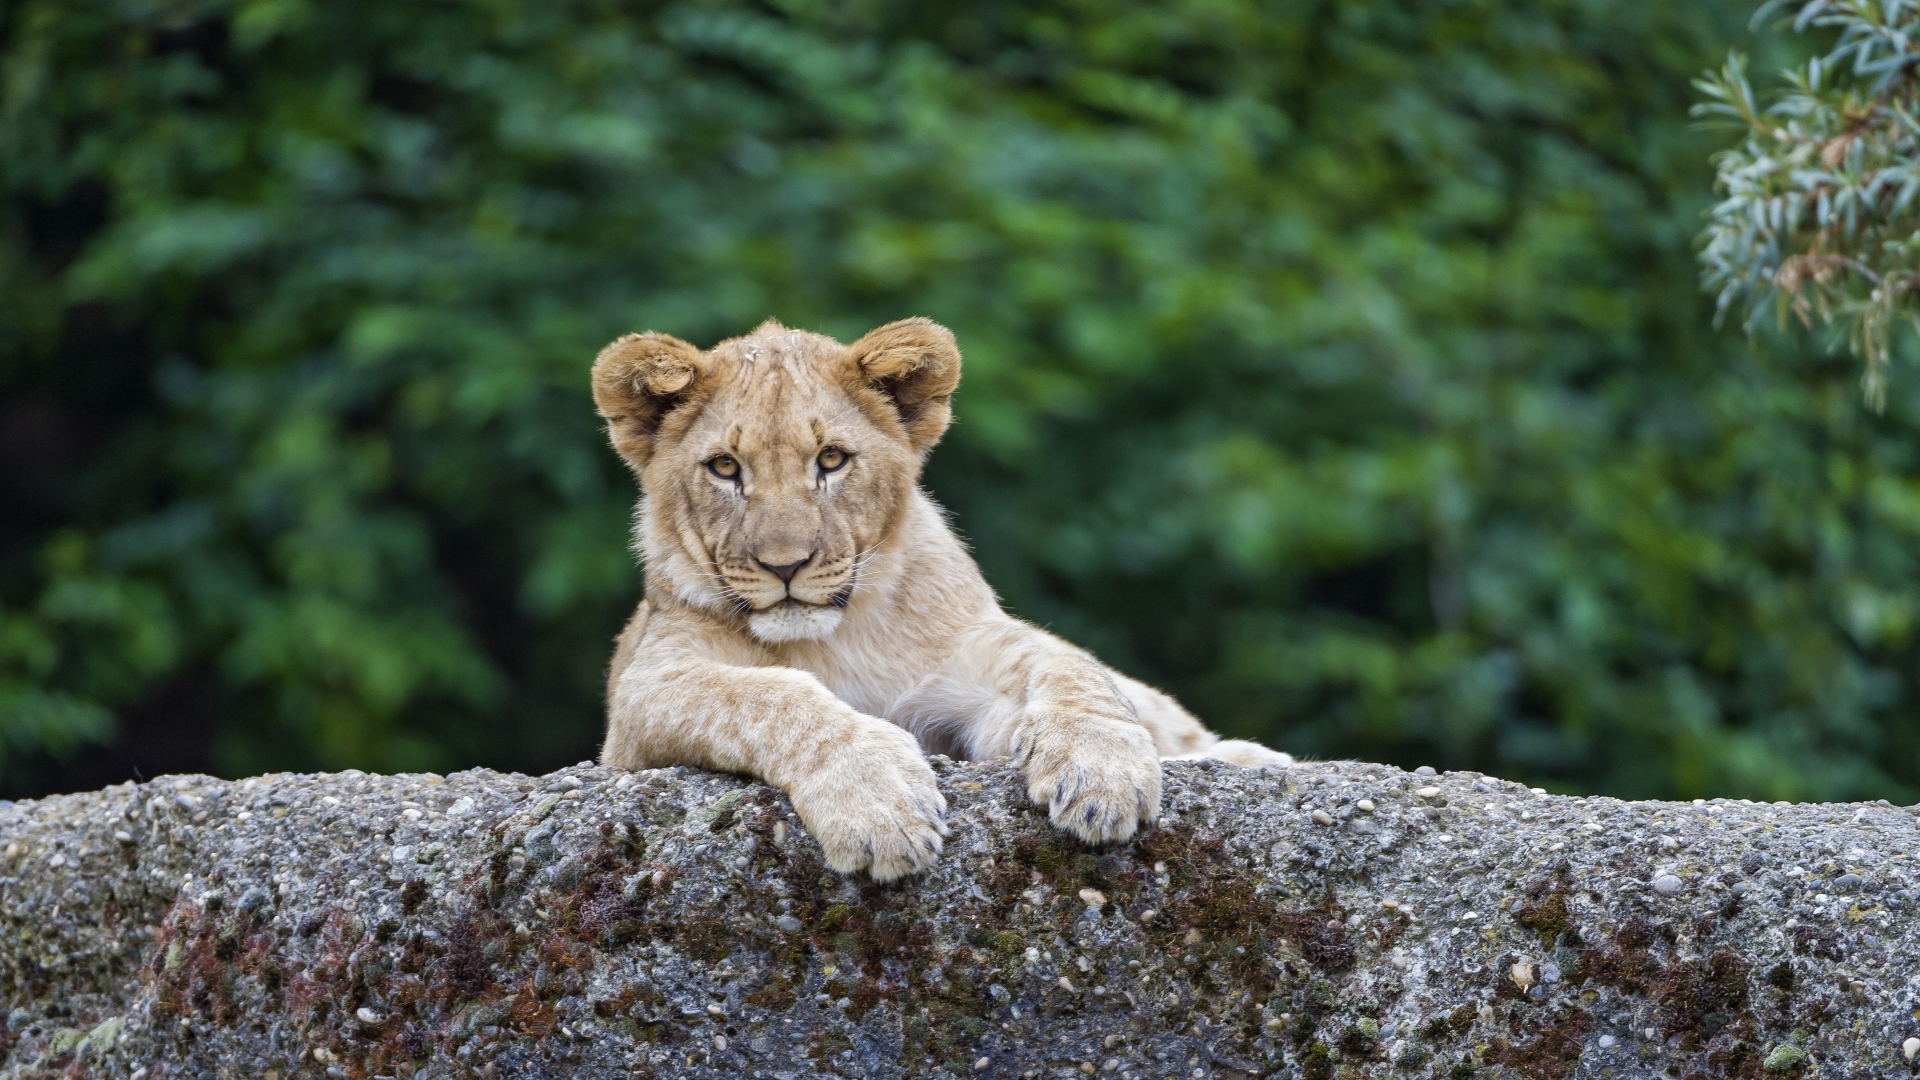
x=637 y=381
x=916 y=363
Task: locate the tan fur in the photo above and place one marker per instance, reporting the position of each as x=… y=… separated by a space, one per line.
x=885 y=642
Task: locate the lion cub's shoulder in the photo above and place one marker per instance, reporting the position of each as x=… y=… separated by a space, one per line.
x=624 y=646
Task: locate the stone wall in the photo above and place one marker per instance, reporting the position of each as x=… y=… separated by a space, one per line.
x=1336 y=920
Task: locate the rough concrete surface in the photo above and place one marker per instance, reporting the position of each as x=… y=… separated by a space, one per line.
x=1335 y=920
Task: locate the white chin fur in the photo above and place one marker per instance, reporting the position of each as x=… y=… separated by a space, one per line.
x=793 y=622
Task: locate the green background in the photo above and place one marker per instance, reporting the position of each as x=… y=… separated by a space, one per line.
x=1342 y=367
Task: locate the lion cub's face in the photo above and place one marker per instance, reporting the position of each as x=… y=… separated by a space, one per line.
x=779 y=482
x=774 y=463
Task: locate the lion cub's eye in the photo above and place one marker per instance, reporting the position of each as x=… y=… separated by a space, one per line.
x=724 y=467
x=832 y=458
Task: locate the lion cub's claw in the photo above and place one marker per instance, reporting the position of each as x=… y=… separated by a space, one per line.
x=1100 y=790
x=1101 y=814
x=878 y=809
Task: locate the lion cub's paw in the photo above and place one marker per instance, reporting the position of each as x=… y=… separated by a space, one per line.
x=1097 y=784
x=1247 y=755
x=876 y=808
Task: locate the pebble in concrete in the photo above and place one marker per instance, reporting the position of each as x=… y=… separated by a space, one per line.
x=1785 y=1058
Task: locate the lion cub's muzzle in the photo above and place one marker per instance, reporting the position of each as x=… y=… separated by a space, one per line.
x=787 y=602
x=813 y=581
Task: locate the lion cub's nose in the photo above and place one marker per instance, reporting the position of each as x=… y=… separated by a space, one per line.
x=784 y=571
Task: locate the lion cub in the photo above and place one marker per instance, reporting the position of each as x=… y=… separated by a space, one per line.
x=812 y=621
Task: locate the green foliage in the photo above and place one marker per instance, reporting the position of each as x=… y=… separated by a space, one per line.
x=1819 y=214
x=1341 y=367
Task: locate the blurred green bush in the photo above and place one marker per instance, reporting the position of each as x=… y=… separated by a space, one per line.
x=1343 y=367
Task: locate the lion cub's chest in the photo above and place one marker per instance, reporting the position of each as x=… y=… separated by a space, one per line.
x=869 y=687
x=910 y=687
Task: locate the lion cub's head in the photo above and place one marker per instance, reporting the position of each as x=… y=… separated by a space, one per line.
x=773 y=463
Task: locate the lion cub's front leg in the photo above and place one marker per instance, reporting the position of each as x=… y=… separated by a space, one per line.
x=1086 y=756
x=871 y=801
x=859 y=784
